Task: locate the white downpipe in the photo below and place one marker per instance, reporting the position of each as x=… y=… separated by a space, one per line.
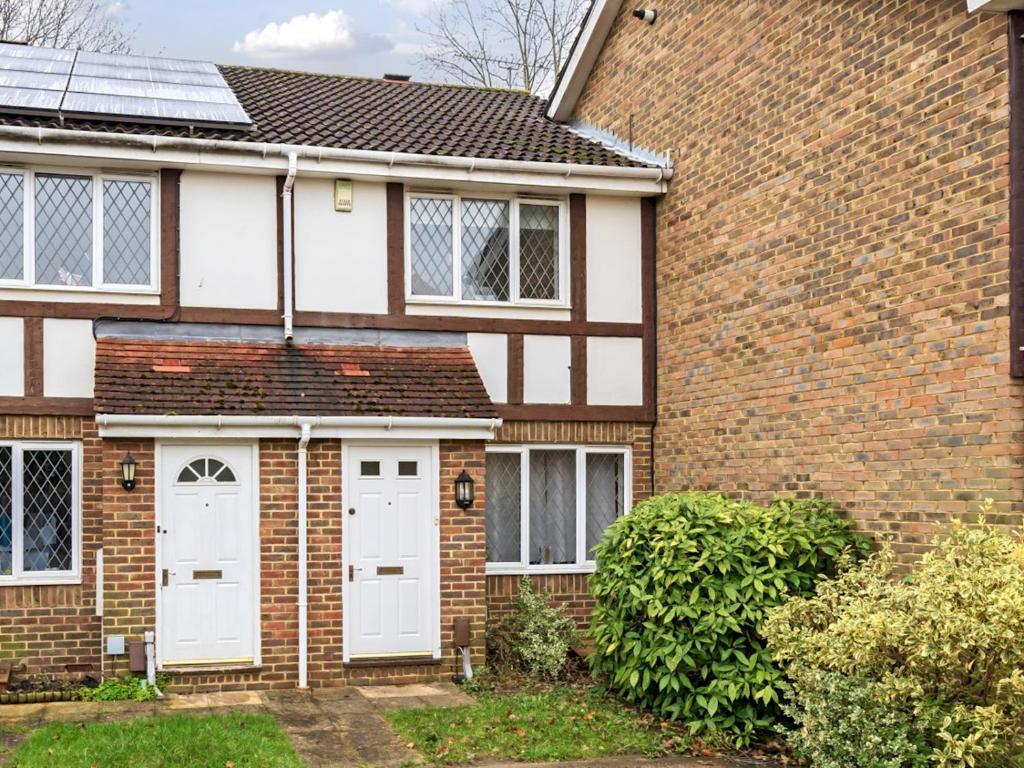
x=286 y=209
x=304 y=437
x=150 y=638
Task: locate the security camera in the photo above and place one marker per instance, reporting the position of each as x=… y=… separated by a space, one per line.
x=646 y=14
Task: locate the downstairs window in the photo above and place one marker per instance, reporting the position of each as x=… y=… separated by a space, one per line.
x=39 y=512
x=548 y=507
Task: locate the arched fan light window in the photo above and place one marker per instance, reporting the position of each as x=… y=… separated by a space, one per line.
x=206 y=470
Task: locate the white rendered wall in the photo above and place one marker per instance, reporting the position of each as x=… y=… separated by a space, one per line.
x=12 y=353
x=613 y=259
x=69 y=358
x=546 y=361
x=341 y=262
x=615 y=373
x=490 y=352
x=228 y=240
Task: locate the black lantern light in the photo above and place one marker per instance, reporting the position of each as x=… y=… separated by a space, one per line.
x=128 y=473
x=464 y=490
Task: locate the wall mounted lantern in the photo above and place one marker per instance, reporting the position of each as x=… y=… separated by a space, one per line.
x=128 y=473
x=464 y=490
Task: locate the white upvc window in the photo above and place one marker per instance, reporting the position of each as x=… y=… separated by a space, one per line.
x=549 y=505
x=40 y=512
x=486 y=250
x=78 y=230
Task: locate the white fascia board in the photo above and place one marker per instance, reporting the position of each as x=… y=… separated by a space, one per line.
x=337 y=427
x=994 y=5
x=139 y=151
x=584 y=54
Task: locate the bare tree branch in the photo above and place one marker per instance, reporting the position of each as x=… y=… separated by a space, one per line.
x=507 y=43
x=87 y=24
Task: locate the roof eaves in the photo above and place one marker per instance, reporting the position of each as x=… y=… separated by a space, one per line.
x=594 y=29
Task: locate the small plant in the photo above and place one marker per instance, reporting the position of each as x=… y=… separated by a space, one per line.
x=682 y=586
x=535 y=638
x=127 y=688
x=938 y=654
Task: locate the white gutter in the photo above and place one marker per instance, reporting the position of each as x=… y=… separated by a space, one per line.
x=286 y=203
x=306 y=430
x=350 y=427
x=252 y=155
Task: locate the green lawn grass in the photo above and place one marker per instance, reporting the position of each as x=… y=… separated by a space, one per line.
x=560 y=724
x=230 y=740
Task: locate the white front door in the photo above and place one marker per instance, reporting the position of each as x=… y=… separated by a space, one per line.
x=207 y=523
x=390 y=544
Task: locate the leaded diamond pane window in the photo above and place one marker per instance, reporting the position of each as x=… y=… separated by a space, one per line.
x=430 y=246
x=552 y=507
x=48 y=511
x=12 y=226
x=485 y=250
x=538 y=252
x=38 y=511
x=605 y=495
x=504 y=504
x=126 y=232
x=6 y=510
x=63 y=230
x=80 y=230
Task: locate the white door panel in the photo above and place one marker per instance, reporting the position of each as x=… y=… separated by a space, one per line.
x=208 y=529
x=389 y=545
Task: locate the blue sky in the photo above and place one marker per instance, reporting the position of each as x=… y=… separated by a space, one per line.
x=367 y=37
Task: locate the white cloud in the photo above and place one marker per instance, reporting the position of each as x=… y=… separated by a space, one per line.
x=309 y=33
x=418 y=7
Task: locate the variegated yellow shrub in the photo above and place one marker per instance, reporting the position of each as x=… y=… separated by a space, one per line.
x=942 y=648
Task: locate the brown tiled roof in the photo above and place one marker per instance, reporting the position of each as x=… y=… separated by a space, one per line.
x=363 y=113
x=135 y=376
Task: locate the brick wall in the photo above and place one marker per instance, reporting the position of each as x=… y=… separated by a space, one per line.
x=832 y=253
x=570 y=591
x=49 y=627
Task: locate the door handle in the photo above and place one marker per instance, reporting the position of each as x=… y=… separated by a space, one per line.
x=352 y=572
x=163 y=578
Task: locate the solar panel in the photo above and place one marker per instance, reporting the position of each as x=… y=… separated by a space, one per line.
x=116 y=87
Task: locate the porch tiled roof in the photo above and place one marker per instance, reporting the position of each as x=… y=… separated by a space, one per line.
x=137 y=376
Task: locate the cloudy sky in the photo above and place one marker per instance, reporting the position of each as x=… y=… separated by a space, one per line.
x=361 y=37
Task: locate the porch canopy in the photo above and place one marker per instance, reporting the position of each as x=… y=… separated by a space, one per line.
x=158 y=386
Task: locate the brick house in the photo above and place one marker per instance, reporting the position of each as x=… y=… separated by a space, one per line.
x=298 y=308
x=840 y=268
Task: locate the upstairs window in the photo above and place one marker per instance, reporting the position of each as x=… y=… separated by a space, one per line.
x=39 y=512
x=85 y=231
x=486 y=250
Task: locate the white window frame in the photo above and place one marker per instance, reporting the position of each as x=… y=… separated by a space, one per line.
x=97 y=178
x=583 y=564
x=18 y=576
x=514 y=201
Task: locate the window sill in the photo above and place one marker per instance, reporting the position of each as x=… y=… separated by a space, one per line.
x=52 y=581
x=540 y=570
x=440 y=301
x=132 y=290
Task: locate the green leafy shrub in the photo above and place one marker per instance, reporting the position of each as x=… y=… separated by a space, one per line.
x=941 y=649
x=129 y=687
x=682 y=586
x=534 y=638
x=846 y=718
